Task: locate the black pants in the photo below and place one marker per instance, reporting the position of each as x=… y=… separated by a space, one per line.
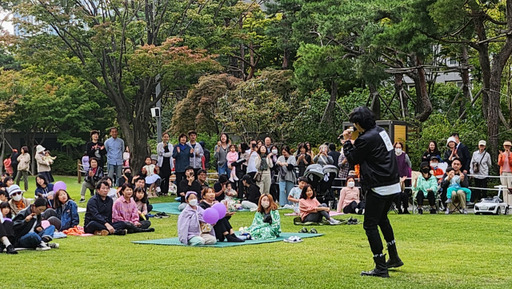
x=130 y=227
x=316 y=217
x=221 y=227
x=376 y=214
x=401 y=200
x=179 y=176
x=477 y=194
x=430 y=196
x=93 y=226
x=351 y=208
x=6 y=230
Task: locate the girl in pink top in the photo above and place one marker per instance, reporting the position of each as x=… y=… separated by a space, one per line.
x=349 y=199
x=310 y=208
x=125 y=211
x=232 y=156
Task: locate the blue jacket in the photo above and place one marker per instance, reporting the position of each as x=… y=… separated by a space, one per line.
x=182 y=158
x=68 y=215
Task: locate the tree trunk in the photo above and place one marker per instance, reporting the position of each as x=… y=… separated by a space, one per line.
x=466 y=89
x=485 y=64
x=284 y=65
x=375 y=96
x=423 y=94
x=399 y=91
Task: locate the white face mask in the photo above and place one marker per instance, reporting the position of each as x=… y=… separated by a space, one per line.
x=351 y=184
x=17 y=198
x=434 y=165
x=265 y=204
x=193 y=202
x=274 y=152
x=398 y=151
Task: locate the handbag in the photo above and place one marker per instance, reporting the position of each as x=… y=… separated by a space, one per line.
x=206 y=228
x=257 y=176
x=476 y=166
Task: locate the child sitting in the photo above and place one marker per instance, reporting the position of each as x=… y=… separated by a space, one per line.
x=141 y=199
x=294 y=195
x=6 y=230
x=125 y=210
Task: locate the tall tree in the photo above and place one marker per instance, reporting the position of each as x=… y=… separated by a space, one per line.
x=119 y=47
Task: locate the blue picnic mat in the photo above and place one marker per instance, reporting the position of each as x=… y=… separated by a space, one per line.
x=169 y=208
x=172 y=208
x=176 y=242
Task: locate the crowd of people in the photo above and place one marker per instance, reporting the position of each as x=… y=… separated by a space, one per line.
x=259 y=176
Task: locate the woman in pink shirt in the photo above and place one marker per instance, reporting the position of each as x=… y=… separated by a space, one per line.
x=310 y=208
x=125 y=210
x=349 y=199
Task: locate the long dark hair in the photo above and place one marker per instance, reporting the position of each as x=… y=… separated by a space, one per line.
x=6 y=205
x=56 y=202
x=304 y=190
x=144 y=198
x=436 y=150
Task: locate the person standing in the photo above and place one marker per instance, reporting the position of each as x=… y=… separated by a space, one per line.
x=463 y=153
x=221 y=151
x=115 y=148
x=96 y=149
x=14 y=162
x=23 y=166
x=373 y=151
x=196 y=160
x=164 y=151
x=182 y=153
x=44 y=164
x=505 y=163
x=479 y=169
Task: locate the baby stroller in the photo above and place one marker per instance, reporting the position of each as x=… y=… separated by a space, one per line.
x=321 y=179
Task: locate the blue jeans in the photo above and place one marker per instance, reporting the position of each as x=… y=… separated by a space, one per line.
x=224 y=170
x=118 y=170
x=284 y=189
x=33 y=239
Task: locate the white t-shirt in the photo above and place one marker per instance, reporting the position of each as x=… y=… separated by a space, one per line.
x=251 y=164
x=388 y=190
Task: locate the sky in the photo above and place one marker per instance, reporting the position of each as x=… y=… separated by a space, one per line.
x=6 y=25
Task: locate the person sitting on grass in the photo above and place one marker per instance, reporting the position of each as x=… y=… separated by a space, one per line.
x=266 y=224
x=192 y=229
x=44 y=189
x=252 y=193
x=294 y=196
x=426 y=187
x=93 y=176
x=17 y=202
x=98 y=215
x=6 y=229
x=28 y=230
x=66 y=209
x=188 y=184
x=349 y=201
x=141 y=200
x=223 y=229
x=310 y=208
x=125 y=211
x=141 y=183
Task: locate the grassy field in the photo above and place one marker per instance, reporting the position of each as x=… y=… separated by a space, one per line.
x=439 y=251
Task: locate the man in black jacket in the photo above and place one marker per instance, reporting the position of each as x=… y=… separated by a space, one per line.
x=28 y=230
x=98 y=216
x=373 y=152
x=463 y=153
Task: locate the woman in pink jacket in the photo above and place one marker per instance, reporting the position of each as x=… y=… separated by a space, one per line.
x=125 y=210
x=310 y=208
x=349 y=201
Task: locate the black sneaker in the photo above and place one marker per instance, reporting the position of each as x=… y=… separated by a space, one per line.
x=121 y=232
x=420 y=211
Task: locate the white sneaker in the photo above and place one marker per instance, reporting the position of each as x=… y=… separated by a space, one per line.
x=465 y=212
x=54 y=245
x=333 y=221
x=231 y=180
x=42 y=247
x=158 y=189
x=447 y=212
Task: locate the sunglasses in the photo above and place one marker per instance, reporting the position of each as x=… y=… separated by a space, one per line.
x=18 y=193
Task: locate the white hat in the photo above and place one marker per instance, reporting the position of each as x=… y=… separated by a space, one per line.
x=482 y=143
x=507 y=143
x=39 y=149
x=13 y=189
x=450 y=139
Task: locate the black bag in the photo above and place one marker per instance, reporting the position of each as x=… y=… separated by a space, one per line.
x=476 y=168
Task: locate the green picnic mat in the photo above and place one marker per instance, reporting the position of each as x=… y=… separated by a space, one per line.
x=172 y=208
x=168 y=208
x=176 y=242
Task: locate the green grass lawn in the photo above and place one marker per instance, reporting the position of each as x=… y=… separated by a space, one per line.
x=439 y=251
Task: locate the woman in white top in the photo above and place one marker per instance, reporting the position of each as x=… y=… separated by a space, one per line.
x=165 y=163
